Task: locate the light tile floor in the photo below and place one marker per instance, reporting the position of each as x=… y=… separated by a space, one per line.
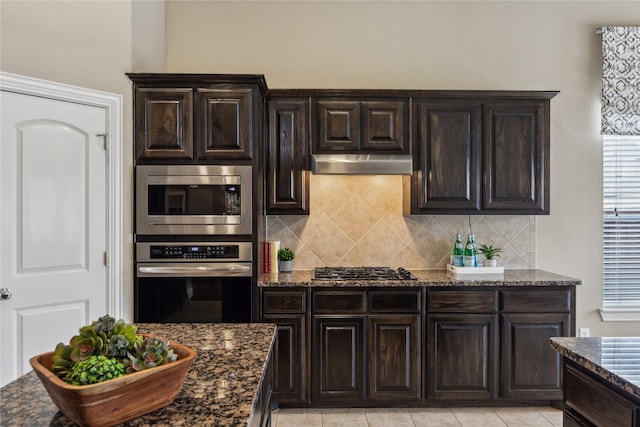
x=419 y=417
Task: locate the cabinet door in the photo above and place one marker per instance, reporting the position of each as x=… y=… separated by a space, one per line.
x=448 y=149
x=462 y=356
x=224 y=123
x=163 y=122
x=287 y=163
x=336 y=126
x=516 y=157
x=531 y=369
x=394 y=357
x=385 y=126
x=290 y=383
x=338 y=359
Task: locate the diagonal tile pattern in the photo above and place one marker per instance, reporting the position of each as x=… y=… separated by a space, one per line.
x=358 y=220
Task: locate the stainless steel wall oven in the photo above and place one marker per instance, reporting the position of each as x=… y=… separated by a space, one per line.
x=193 y=199
x=193 y=282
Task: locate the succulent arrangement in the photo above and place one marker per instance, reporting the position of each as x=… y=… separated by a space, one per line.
x=106 y=349
x=286 y=254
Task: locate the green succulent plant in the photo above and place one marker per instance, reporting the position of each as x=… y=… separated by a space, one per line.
x=87 y=344
x=104 y=324
x=489 y=251
x=95 y=369
x=286 y=254
x=118 y=346
x=105 y=349
x=149 y=353
x=61 y=362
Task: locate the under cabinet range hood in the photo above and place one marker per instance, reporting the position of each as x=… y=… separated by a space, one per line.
x=361 y=164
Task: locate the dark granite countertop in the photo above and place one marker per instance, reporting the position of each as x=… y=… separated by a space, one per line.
x=425 y=278
x=219 y=390
x=614 y=359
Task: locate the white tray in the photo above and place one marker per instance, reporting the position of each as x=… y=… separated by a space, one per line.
x=475 y=270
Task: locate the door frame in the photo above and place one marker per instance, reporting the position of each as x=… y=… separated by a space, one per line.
x=112 y=104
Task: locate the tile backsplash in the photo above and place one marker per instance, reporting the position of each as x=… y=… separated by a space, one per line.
x=358 y=221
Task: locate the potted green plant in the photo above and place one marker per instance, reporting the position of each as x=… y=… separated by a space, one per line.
x=490 y=254
x=286 y=256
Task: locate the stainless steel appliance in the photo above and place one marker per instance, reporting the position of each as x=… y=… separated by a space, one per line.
x=361 y=164
x=361 y=273
x=193 y=282
x=193 y=199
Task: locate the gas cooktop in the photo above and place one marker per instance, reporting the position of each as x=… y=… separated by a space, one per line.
x=361 y=273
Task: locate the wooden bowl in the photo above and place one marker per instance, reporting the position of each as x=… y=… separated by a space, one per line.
x=115 y=401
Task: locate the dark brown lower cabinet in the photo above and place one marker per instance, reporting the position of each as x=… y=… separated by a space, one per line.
x=338 y=359
x=394 y=357
x=462 y=356
x=287 y=308
x=472 y=356
x=357 y=346
x=531 y=369
x=289 y=356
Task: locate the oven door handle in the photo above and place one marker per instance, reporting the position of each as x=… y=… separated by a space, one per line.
x=195 y=270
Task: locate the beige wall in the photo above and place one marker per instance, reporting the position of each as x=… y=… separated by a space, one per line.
x=416 y=45
x=547 y=45
x=81 y=43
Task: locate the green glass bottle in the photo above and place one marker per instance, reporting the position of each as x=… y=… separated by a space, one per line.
x=458 y=253
x=475 y=250
x=469 y=256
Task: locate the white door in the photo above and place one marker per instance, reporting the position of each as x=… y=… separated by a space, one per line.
x=53 y=225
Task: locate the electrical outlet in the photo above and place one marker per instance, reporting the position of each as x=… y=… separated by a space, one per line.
x=583 y=332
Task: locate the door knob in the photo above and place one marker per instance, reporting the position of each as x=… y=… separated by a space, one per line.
x=5 y=293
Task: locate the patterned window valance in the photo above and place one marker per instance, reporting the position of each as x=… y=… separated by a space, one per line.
x=620 y=80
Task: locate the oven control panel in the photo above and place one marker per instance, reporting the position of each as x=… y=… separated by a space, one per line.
x=232 y=251
x=191 y=251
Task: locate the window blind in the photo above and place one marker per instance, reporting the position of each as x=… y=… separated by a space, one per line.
x=621 y=211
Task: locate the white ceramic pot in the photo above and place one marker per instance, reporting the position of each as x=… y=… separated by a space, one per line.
x=490 y=262
x=286 y=266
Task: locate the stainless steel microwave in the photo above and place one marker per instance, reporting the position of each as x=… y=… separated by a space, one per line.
x=190 y=199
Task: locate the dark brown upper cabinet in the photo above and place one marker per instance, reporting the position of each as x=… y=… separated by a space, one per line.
x=197 y=117
x=448 y=142
x=163 y=119
x=516 y=157
x=287 y=157
x=224 y=123
x=480 y=153
x=359 y=126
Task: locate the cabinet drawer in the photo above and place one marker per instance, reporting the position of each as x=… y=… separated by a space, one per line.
x=536 y=301
x=394 y=301
x=338 y=302
x=596 y=402
x=463 y=301
x=284 y=302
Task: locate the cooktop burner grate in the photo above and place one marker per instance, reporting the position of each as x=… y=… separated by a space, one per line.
x=361 y=273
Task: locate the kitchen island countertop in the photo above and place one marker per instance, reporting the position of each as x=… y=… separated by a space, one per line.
x=220 y=388
x=304 y=278
x=616 y=360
